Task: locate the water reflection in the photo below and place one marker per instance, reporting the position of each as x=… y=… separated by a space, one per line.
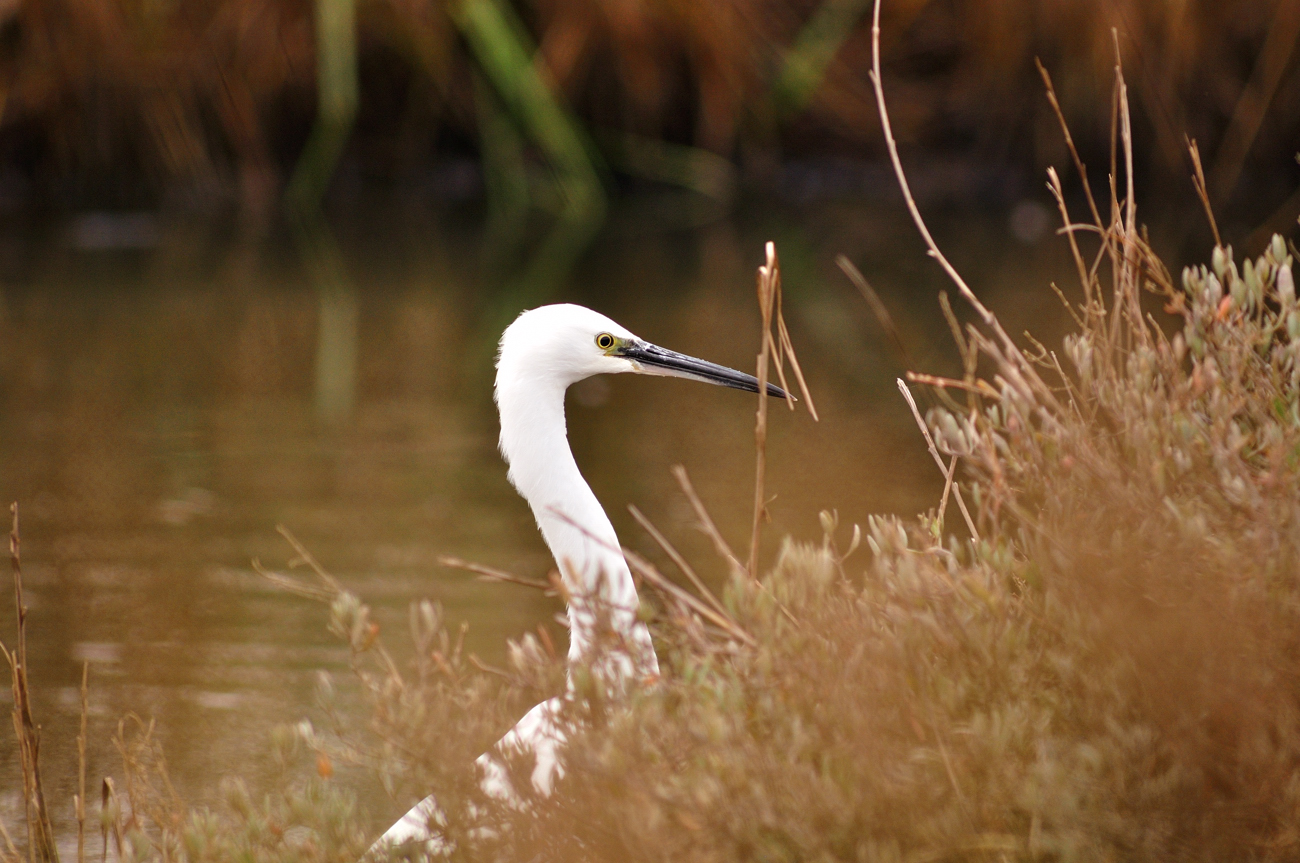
x=161 y=413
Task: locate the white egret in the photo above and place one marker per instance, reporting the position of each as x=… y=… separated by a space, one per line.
x=542 y=353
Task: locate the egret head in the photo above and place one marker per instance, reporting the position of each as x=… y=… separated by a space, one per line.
x=563 y=344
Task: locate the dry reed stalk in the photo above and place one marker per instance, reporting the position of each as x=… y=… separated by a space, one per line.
x=80 y=799
x=332 y=584
x=938 y=459
x=664 y=585
x=40 y=833
x=677 y=558
x=769 y=276
x=878 y=308
x=12 y=855
x=1069 y=143
x=1129 y=278
x=1198 y=181
x=1017 y=371
x=704 y=521
x=1054 y=183
x=776 y=350
x=487 y=573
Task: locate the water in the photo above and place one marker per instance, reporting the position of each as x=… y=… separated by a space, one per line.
x=163 y=407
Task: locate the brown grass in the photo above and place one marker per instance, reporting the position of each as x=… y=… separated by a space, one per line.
x=135 y=97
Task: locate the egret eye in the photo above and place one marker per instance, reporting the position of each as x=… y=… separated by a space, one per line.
x=604 y=341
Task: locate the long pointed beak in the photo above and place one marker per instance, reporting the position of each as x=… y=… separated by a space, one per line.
x=654 y=360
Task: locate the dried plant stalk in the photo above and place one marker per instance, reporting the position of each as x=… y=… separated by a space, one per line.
x=775 y=350
x=81 y=767
x=769 y=280
x=40 y=833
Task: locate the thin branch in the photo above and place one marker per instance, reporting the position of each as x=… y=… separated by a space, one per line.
x=81 y=766
x=487 y=573
x=9 y=841
x=1198 y=180
x=1069 y=143
x=40 y=833
x=990 y=320
x=980 y=387
x=938 y=459
x=1054 y=183
x=657 y=579
x=878 y=308
x=677 y=559
x=966 y=292
x=305 y=556
x=704 y=521
x=293 y=585
x=947 y=488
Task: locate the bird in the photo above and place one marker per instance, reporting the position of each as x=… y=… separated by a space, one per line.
x=541 y=354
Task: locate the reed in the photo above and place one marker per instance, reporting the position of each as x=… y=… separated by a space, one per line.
x=220 y=94
x=40 y=833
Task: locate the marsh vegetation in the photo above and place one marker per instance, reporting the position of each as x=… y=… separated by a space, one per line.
x=1086 y=650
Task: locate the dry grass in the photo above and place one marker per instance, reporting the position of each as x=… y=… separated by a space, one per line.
x=1102 y=665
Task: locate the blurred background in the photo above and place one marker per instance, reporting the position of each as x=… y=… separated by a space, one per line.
x=255 y=256
x=220 y=107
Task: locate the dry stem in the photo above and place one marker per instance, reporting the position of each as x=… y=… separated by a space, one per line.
x=938 y=459
x=677 y=559
x=704 y=521
x=769 y=281
x=40 y=833
x=81 y=768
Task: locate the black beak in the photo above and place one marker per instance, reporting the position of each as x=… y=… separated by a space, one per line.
x=654 y=360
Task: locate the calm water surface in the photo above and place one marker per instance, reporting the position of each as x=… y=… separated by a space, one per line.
x=162 y=410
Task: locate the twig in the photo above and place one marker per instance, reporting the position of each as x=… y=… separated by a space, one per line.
x=483 y=666
x=1130 y=203
x=487 y=573
x=9 y=842
x=648 y=571
x=787 y=352
x=305 y=556
x=704 y=521
x=1054 y=183
x=979 y=387
x=990 y=320
x=947 y=488
x=934 y=252
x=107 y=798
x=677 y=558
x=1069 y=143
x=40 y=833
x=878 y=308
x=293 y=585
x=938 y=459
x=1198 y=180
x=333 y=589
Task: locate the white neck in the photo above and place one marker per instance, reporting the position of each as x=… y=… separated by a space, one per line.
x=535 y=443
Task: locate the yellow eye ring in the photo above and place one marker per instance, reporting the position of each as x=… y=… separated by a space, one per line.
x=605 y=341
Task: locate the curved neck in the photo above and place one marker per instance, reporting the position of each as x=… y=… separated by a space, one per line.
x=535 y=443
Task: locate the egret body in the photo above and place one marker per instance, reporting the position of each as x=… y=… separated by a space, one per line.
x=542 y=353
